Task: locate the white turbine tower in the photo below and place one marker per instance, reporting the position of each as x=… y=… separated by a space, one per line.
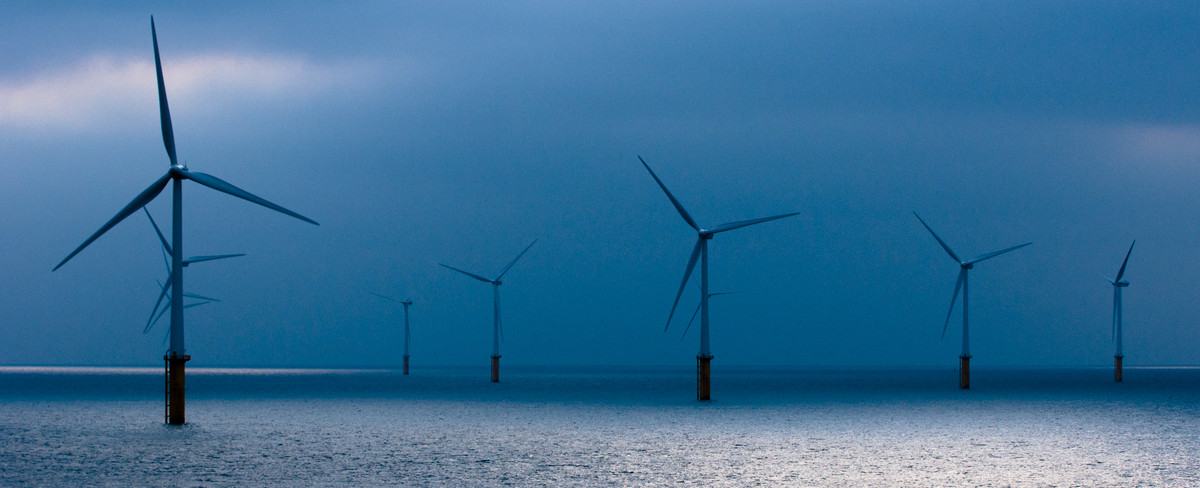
x=406 y=304
x=176 y=355
x=964 y=377
x=1118 y=310
x=497 y=328
x=700 y=251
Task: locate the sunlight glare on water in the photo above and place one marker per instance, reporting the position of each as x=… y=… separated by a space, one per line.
x=603 y=427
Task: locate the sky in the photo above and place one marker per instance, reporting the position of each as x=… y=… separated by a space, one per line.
x=458 y=132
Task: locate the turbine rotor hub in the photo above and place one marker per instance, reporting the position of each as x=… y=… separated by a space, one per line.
x=967 y=266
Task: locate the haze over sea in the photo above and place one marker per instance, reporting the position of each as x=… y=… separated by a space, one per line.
x=602 y=426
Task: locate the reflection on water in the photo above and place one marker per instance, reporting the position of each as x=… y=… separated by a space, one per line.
x=602 y=427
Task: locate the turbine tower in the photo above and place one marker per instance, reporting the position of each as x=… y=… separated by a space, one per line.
x=1118 y=310
x=964 y=376
x=406 y=303
x=497 y=328
x=700 y=251
x=176 y=356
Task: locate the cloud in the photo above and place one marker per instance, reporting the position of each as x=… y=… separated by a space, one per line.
x=1162 y=144
x=89 y=96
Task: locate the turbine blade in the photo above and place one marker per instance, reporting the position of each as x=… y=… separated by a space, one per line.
x=152 y=319
x=166 y=260
x=939 y=239
x=1110 y=280
x=160 y=314
x=224 y=187
x=957 y=287
x=686 y=274
x=199 y=304
x=514 y=261
x=993 y=254
x=200 y=297
x=161 y=237
x=1126 y=261
x=382 y=296
x=473 y=275
x=164 y=112
x=682 y=212
x=723 y=293
x=742 y=223
x=138 y=202
x=689 y=325
x=201 y=259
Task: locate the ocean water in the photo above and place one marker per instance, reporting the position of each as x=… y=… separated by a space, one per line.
x=601 y=427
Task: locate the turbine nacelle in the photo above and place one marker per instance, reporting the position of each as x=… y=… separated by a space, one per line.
x=967 y=265
x=1121 y=284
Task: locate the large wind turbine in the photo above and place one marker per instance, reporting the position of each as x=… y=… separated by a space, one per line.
x=497 y=328
x=176 y=355
x=1118 y=310
x=406 y=303
x=964 y=377
x=700 y=251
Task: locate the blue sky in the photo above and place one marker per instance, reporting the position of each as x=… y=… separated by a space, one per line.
x=457 y=132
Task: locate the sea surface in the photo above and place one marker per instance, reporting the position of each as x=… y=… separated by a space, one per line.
x=601 y=426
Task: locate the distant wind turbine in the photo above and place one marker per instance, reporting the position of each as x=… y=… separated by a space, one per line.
x=964 y=378
x=497 y=328
x=1118 y=310
x=156 y=314
x=700 y=251
x=176 y=355
x=697 y=312
x=405 y=303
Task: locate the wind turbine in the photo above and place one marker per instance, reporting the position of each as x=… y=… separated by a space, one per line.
x=156 y=314
x=1118 y=309
x=497 y=328
x=697 y=312
x=700 y=250
x=964 y=378
x=176 y=356
x=406 y=303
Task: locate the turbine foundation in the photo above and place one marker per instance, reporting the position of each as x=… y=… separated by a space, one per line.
x=1117 y=367
x=174 y=393
x=964 y=372
x=703 y=384
x=405 y=364
x=495 y=369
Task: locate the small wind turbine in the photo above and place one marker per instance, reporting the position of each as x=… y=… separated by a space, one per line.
x=700 y=251
x=176 y=355
x=964 y=378
x=1118 y=284
x=497 y=328
x=406 y=303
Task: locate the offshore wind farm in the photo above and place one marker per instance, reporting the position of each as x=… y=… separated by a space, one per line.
x=421 y=133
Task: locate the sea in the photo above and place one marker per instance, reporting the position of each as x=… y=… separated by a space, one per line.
x=602 y=426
